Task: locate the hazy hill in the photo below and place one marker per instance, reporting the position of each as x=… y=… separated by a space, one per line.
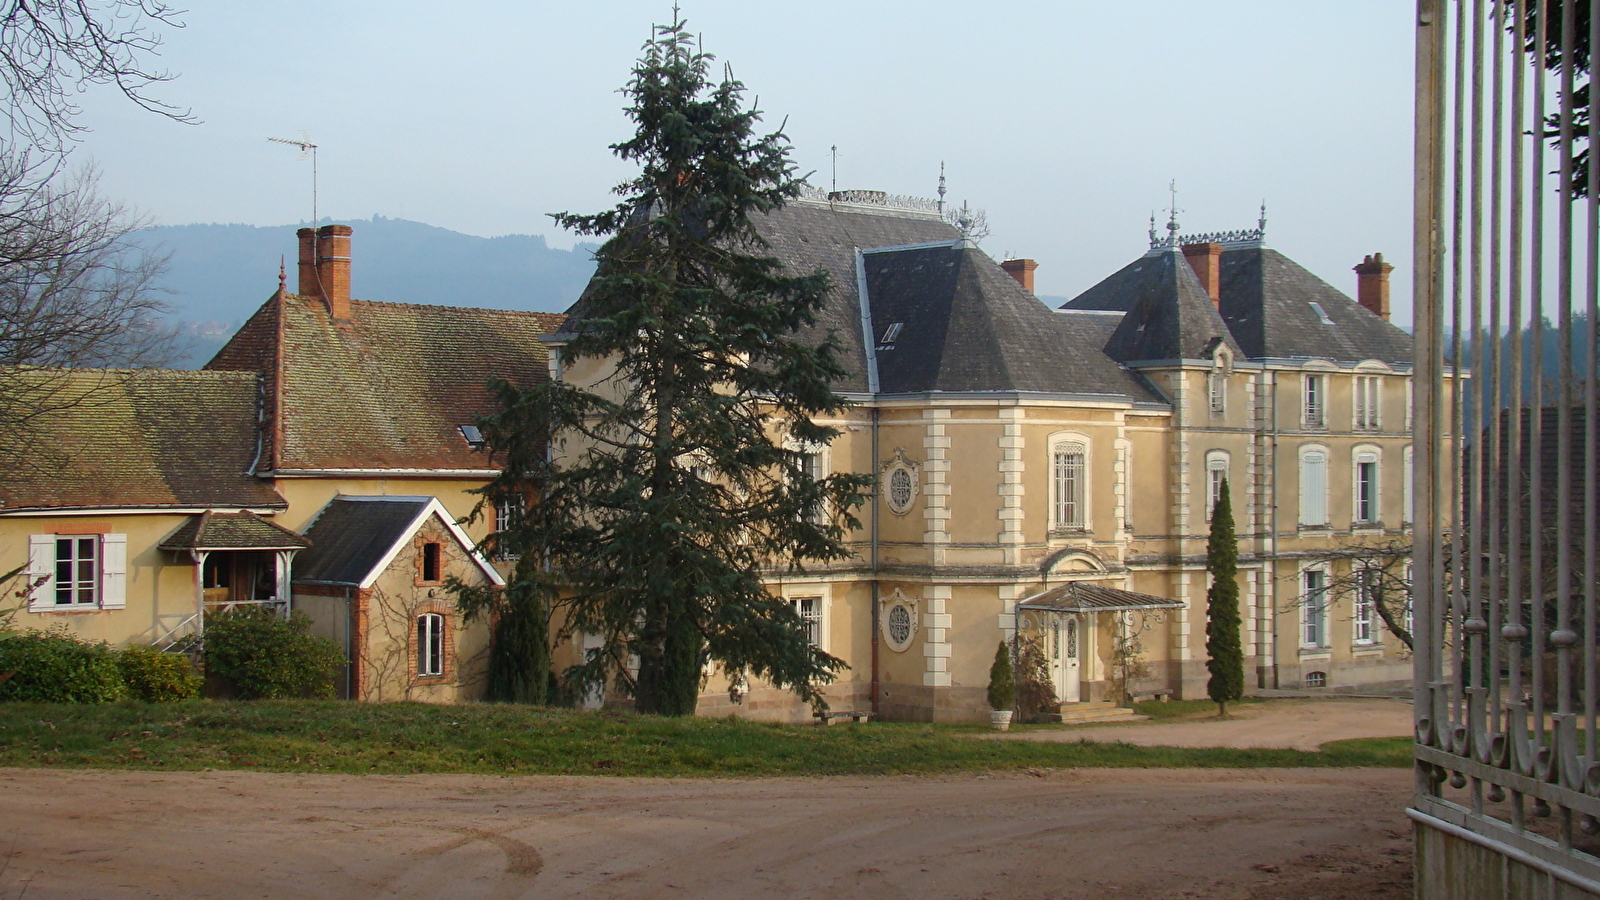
x=220 y=274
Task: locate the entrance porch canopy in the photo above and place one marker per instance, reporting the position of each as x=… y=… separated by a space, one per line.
x=1083 y=597
x=212 y=530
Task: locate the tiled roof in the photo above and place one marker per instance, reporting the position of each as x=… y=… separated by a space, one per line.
x=351 y=536
x=1169 y=315
x=1266 y=301
x=966 y=325
x=232 y=531
x=141 y=438
x=388 y=390
x=1080 y=596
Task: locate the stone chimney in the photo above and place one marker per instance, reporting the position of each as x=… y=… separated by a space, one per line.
x=1372 y=285
x=1206 y=260
x=333 y=269
x=1022 y=271
x=307 y=261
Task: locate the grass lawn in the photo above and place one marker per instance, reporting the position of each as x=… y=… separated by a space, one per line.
x=393 y=738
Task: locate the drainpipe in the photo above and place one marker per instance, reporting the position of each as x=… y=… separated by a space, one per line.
x=1272 y=568
x=875 y=585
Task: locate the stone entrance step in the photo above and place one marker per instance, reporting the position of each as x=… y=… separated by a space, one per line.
x=1103 y=711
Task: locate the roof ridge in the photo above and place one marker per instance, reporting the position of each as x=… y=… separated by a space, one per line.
x=445 y=306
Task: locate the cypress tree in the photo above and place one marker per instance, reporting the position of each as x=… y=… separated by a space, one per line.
x=676 y=487
x=1224 y=642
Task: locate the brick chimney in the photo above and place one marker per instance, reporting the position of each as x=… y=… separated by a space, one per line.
x=1372 y=285
x=308 y=264
x=1022 y=271
x=333 y=269
x=1206 y=260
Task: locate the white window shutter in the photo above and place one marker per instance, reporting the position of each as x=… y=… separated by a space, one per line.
x=114 y=571
x=1313 y=490
x=41 y=571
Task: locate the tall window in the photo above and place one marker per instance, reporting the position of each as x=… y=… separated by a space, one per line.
x=1316 y=401
x=1216 y=475
x=430 y=644
x=1366 y=402
x=811 y=464
x=432 y=562
x=1217 y=387
x=1069 y=477
x=1314 y=608
x=1366 y=487
x=77 y=571
x=809 y=609
x=1367 y=584
x=508 y=510
x=1409 y=500
x=1313 y=488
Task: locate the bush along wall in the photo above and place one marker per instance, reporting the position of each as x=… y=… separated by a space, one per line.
x=55 y=667
x=259 y=655
x=157 y=677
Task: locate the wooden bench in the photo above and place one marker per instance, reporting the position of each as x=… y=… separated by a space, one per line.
x=831 y=716
x=1162 y=694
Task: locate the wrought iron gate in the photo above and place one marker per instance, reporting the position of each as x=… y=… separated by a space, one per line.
x=1507 y=263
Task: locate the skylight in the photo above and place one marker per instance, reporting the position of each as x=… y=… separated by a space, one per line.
x=472 y=434
x=1321 y=313
x=890 y=335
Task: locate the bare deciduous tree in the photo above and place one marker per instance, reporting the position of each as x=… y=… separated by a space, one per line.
x=53 y=50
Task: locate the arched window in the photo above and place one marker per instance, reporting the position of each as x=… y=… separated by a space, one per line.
x=430 y=644
x=1216 y=474
x=1364 y=500
x=1069 y=468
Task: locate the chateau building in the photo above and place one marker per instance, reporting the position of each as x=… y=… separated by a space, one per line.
x=1051 y=472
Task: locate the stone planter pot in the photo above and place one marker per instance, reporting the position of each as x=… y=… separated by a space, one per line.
x=1000 y=719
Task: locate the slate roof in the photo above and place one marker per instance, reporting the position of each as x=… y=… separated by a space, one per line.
x=1169 y=313
x=212 y=530
x=351 y=536
x=390 y=389
x=1081 y=596
x=966 y=325
x=1265 y=303
x=146 y=438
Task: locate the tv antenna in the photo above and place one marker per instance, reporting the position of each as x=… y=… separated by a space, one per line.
x=306 y=149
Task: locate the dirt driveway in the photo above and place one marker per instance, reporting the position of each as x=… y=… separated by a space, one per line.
x=1283 y=724
x=1259 y=834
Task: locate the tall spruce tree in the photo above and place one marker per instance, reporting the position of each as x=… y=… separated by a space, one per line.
x=676 y=486
x=1224 y=642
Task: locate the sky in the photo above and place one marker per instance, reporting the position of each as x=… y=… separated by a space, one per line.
x=1064 y=121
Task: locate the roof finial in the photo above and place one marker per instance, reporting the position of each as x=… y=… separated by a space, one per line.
x=1153 y=242
x=941 y=186
x=283 y=278
x=1261 y=224
x=1172 y=218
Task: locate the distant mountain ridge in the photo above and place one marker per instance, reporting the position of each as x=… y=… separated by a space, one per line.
x=219 y=275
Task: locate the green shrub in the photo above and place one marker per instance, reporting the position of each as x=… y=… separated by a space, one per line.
x=1002 y=686
x=263 y=656
x=55 y=667
x=157 y=677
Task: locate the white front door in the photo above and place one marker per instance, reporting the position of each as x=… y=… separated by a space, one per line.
x=1064 y=658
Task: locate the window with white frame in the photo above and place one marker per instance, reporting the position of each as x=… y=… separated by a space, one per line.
x=1314 y=408
x=815 y=468
x=1410 y=593
x=77 y=571
x=1409 y=499
x=1314 y=608
x=1217 y=388
x=1216 y=477
x=1364 y=466
x=809 y=609
x=508 y=511
x=430 y=644
x=1366 y=402
x=1069 y=464
x=900 y=484
x=1368 y=581
x=1313 y=487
